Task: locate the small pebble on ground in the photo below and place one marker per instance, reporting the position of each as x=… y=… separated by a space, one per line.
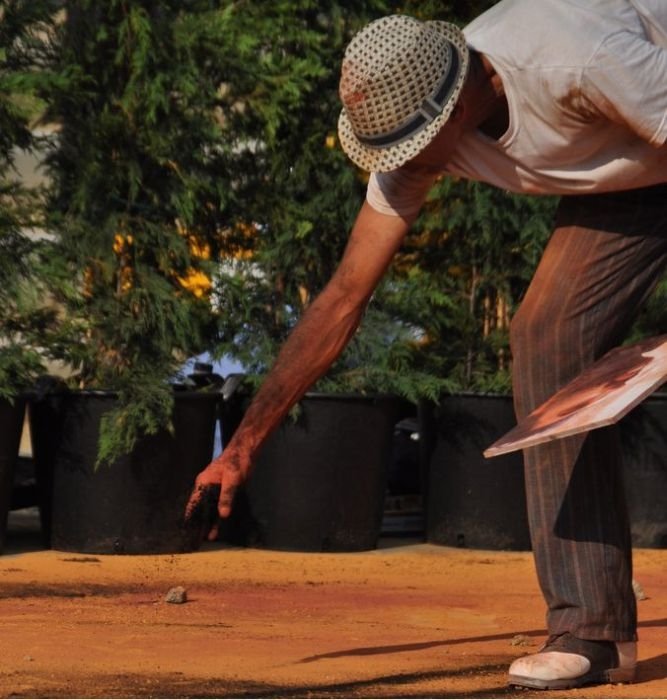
x=176 y=595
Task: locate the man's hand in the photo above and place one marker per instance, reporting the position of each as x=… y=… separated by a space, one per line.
x=213 y=492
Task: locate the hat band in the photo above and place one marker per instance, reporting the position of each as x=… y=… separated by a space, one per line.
x=430 y=108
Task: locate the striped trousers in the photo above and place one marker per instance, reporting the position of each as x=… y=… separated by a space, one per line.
x=605 y=256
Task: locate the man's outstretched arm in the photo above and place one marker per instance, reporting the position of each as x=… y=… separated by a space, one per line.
x=310 y=350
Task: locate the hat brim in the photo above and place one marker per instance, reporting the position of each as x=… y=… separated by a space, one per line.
x=392 y=157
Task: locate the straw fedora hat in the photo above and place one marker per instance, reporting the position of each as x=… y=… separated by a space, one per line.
x=400 y=80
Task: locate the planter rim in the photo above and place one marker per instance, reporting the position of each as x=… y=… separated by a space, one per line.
x=475 y=395
x=17 y=398
x=348 y=395
x=112 y=394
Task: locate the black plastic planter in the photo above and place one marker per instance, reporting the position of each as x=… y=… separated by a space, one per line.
x=11 y=424
x=472 y=501
x=136 y=504
x=319 y=483
x=644 y=443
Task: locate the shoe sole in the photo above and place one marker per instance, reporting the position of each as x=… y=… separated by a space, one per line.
x=612 y=675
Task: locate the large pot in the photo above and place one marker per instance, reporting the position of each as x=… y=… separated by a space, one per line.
x=319 y=482
x=11 y=424
x=472 y=501
x=644 y=444
x=136 y=504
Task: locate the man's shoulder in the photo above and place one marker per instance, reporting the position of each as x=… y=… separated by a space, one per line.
x=549 y=33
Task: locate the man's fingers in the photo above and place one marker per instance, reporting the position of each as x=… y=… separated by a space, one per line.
x=226 y=499
x=204 y=483
x=213 y=532
x=195 y=501
x=201 y=511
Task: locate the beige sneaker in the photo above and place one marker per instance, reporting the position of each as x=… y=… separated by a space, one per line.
x=567 y=662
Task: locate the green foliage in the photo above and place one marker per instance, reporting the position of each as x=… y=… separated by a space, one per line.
x=385 y=354
x=299 y=191
x=143 y=408
x=22 y=26
x=652 y=320
x=141 y=175
x=458 y=11
x=467 y=264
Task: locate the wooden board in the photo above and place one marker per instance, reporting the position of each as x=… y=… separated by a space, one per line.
x=601 y=395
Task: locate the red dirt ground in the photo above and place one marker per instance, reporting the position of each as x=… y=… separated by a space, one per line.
x=416 y=620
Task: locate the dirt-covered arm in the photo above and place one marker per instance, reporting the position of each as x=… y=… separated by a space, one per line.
x=310 y=350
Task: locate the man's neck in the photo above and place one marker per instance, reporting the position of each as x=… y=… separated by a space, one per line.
x=489 y=109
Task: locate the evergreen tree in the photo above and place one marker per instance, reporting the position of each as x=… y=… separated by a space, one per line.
x=142 y=178
x=24 y=26
x=300 y=193
x=457 y=11
x=652 y=320
x=467 y=265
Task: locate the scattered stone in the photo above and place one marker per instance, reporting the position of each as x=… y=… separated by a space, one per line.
x=176 y=595
x=521 y=640
x=639 y=591
x=28 y=658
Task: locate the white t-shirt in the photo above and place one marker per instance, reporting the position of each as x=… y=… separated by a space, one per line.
x=587 y=97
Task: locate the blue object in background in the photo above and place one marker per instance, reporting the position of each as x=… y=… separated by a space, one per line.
x=224 y=367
